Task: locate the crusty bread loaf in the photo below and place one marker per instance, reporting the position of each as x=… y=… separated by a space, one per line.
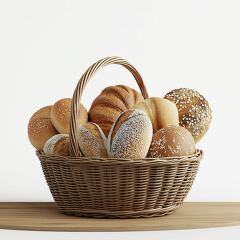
x=172 y=141
x=130 y=136
x=40 y=127
x=112 y=101
x=92 y=140
x=57 y=145
x=161 y=112
x=194 y=111
x=60 y=115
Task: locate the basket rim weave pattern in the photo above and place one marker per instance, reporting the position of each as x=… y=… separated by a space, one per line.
x=110 y=161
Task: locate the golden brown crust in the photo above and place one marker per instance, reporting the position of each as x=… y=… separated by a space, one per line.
x=92 y=140
x=194 y=111
x=111 y=102
x=60 y=115
x=42 y=112
x=172 y=141
x=40 y=128
x=161 y=112
x=62 y=147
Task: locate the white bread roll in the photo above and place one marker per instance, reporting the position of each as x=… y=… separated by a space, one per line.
x=130 y=135
x=172 y=141
x=161 y=112
x=92 y=140
x=60 y=115
x=40 y=128
x=57 y=145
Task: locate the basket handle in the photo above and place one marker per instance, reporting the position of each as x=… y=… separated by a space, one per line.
x=73 y=146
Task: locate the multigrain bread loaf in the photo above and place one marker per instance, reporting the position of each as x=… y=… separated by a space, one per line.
x=92 y=140
x=40 y=128
x=130 y=136
x=57 y=145
x=60 y=115
x=161 y=112
x=172 y=141
x=111 y=102
x=194 y=111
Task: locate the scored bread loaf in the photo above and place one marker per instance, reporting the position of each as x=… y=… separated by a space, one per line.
x=57 y=145
x=130 y=136
x=111 y=102
x=60 y=115
x=40 y=128
x=172 y=141
x=195 y=113
x=92 y=140
x=161 y=112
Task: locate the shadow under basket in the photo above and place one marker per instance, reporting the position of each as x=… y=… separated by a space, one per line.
x=119 y=188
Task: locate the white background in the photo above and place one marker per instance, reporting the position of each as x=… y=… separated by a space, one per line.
x=45 y=46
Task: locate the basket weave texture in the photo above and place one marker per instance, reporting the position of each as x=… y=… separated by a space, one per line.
x=116 y=188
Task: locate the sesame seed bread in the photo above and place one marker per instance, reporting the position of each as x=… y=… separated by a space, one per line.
x=57 y=145
x=111 y=102
x=161 y=112
x=40 y=128
x=172 y=141
x=60 y=115
x=194 y=111
x=130 y=135
x=92 y=140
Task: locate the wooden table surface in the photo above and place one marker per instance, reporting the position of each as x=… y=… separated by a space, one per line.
x=45 y=217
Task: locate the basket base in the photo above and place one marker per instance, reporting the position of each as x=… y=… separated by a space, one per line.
x=122 y=214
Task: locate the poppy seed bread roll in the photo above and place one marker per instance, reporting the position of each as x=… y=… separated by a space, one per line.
x=194 y=111
x=172 y=141
x=92 y=140
x=60 y=115
x=161 y=112
x=111 y=102
x=130 y=136
x=57 y=145
x=40 y=128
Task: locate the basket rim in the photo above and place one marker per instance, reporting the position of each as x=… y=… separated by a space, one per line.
x=105 y=161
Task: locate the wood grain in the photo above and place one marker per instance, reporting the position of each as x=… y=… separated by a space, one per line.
x=45 y=217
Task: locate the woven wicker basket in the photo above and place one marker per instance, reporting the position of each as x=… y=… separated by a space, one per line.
x=116 y=188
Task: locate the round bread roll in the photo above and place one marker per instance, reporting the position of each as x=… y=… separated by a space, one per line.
x=194 y=111
x=92 y=140
x=172 y=141
x=130 y=136
x=57 y=145
x=111 y=102
x=60 y=115
x=161 y=112
x=40 y=128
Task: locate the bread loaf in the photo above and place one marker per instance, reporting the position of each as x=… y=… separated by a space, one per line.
x=161 y=112
x=92 y=140
x=40 y=128
x=194 y=111
x=60 y=115
x=130 y=136
x=57 y=145
x=112 y=101
x=172 y=141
